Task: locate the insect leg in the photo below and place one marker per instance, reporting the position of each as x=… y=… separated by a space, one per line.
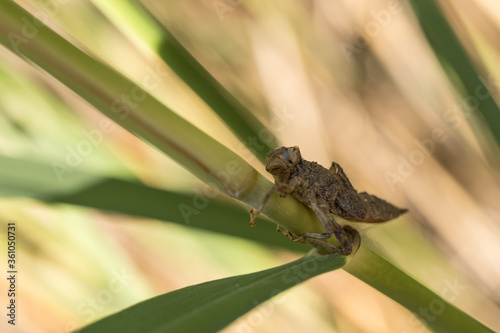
x=355 y=241
x=331 y=228
x=253 y=213
x=283 y=188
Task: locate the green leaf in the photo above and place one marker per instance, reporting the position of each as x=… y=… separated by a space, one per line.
x=101 y=86
x=150 y=120
x=38 y=180
x=452 y=54
x=147 y=32
x=390 y=280
x=26 y=178
x=211 y=306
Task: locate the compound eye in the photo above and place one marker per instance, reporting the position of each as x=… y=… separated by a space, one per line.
x=287 y=156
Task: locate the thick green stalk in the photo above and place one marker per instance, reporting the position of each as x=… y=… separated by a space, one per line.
x=147 y=32
x=133 y=108
x=431 y=309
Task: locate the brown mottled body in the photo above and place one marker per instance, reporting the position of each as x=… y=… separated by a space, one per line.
x=326 y=191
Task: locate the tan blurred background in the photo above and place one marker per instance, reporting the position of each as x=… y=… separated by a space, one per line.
x=381 y=106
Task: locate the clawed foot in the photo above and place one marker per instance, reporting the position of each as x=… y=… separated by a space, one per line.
x=253 y=216
x=350 y=247
x=288 y=234
x=354 y=236
x=283 y=189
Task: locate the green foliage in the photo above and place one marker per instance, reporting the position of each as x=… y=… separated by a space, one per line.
x=37 y=180
x=453 y=57
x=212 y=305
x=145 y=30
x=371 y=268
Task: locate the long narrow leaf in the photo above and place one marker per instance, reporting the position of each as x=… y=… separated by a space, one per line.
x=146 y=31
x=210 y=306
x=24 y=178
x=390 y=280
x=452 y=54
x=147 y=118
x=37 y=180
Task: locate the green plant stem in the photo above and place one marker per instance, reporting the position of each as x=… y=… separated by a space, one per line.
x=139 y=200
x=130 y=106
x=148 y=33
x=25 y=178
x=390 y=280
x=134 y=109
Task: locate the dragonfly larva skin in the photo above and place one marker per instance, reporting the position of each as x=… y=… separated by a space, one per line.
x=326 y=192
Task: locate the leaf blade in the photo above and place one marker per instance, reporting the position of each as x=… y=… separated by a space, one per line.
x=452 y=54
x=144 y=29
x=152 y=121
x=24 y=178
x=182 y=313
x=371 y=268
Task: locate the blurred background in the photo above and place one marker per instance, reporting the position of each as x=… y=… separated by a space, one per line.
x=356 y=82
